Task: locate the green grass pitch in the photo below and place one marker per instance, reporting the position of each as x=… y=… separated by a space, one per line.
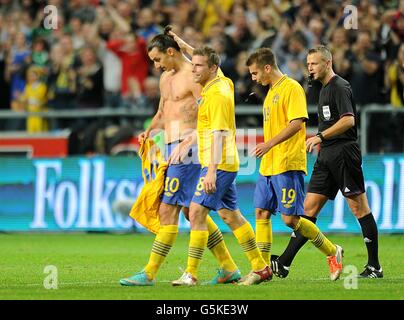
x=89 y=266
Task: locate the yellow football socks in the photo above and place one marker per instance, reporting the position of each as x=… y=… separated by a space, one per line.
x=263 y=229
x=246 y=238
x=197 y=244
x=309 y=230
x=218 y=247
x=161 y=246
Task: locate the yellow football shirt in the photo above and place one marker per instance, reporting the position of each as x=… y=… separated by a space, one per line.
x=146 y=208
x=35 y=97
x=285 y=101
x=216 y=113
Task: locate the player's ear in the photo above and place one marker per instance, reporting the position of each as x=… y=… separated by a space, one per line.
x=170 y=51
x=214 y=68
x=267 y=68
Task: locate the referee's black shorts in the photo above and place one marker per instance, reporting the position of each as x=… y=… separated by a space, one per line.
x=338 y=167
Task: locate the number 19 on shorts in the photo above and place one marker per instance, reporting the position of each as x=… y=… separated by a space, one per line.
x=288 y=197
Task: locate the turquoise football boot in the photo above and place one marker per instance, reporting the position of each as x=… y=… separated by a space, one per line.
x=224 y=277
x=139 y=279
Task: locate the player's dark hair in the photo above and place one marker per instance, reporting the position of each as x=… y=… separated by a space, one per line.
x=262 y=57
x=163 y=41
x=205 y=51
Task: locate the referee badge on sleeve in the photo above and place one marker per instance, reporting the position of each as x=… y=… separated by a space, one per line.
x=326 y=112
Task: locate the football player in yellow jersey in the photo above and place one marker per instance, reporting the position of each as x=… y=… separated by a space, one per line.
x=218 y=156
x=280 y=186
x=177 y=115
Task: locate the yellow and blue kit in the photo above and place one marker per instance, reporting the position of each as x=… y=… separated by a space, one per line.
x=280 y=186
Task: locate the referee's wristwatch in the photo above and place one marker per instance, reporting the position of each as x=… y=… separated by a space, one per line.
x=320 y=135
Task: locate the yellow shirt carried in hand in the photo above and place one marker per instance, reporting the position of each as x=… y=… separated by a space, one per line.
x=146 y=208
x=216 y=113
x=285 y=101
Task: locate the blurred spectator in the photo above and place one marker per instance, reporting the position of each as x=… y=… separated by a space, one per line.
x=18 y=61
x=77 y=32
x=40 y=55
x=242 y=79
x=5 y=90
x=245 y=90
x=392 y=34
x=131 y=49
x=31 y=7
x=332 y=15
x=105 y=27
x=34 y=99
x=184 y=15
x=395 y=79
x=280 y=43
x=193 y=37
x=143 y=102
x=238 y=30
x=212 y=12
x=367 y=71
x=303 y=16
x=151 y=97
x=90 y=84
x=315 y=32
x=84 y=10
x=294 y=64
x=341 y=53
x=110 y=61
x=25 y=23
x=62 y=79
x=223 y=44
x=125 y=11
x=218 y=43
x=368 y=19
x=147 y=25
x=263 y=30
x=8 y=6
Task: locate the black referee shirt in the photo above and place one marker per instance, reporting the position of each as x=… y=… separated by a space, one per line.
x=335 y=101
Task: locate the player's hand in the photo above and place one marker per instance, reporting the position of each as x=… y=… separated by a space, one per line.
x=178 y=154
x=312 y=142
x=181 y=43
x=209 y=183
x=143 y=136
x=261 y=149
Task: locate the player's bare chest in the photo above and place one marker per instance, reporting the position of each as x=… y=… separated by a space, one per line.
x=176 y=87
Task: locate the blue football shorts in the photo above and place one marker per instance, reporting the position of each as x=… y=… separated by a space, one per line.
x=225 y=196
x=282 y=193
x=181 y=179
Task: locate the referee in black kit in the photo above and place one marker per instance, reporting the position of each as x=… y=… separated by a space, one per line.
x=339 y=163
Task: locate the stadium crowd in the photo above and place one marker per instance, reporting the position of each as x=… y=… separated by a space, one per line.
x=97 y=55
